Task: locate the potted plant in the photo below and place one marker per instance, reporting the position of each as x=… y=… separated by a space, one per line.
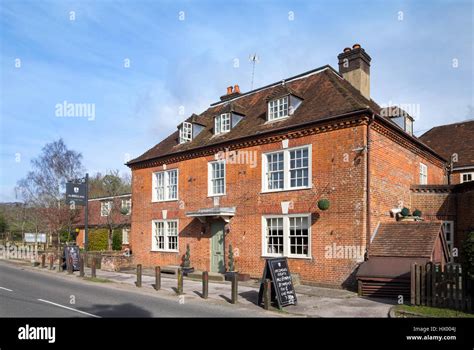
x=323 y=204
x=231 y=263
x=186 y=265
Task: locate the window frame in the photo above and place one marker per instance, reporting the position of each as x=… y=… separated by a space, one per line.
x=210 y=172
x=166 y=185
x=286 y=169
x=126 y=229
x=185 y=132
x=166 y=235
x=423 y=175
x=449 y=243
x=129 y=207
x=109 y=210
x=286 y=236
x=219 y=123
x=270 y=113
x=461 y=180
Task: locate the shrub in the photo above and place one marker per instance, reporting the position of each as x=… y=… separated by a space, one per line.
x=405 y=212
x=231 y=258
x=98 y=239
x=323 y=204
x=187 y=257
x=117 y=240
x=417 y=212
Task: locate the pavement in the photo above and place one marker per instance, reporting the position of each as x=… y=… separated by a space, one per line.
x=115 y=294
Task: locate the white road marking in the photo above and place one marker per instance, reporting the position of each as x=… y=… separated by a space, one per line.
x=6 y=289
x=69 y=308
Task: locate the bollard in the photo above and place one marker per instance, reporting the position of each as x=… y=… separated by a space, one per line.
x=179 y=290
x=234 y=288
x=43 y=261
x=60 y=263
x=93 y=275
x=157 y=278
x=267 y=290
x=138 y=283
x=81 y=266
x=205 y=284
x=69 y=266
x=51 y=262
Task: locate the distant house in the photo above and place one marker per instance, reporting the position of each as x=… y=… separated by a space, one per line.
x=108 y=212
x=454 y=142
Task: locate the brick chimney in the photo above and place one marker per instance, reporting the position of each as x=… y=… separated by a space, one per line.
x=354 y=66
x=232 y=91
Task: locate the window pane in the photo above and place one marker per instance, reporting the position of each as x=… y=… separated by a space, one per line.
x=299 y=168
x=274 y=239
x=275 y=172
x=299 y=236
x=218 y=177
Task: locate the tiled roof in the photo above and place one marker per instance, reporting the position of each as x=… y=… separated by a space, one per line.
x=325 y=94
x=453 y=138
x=405 y=239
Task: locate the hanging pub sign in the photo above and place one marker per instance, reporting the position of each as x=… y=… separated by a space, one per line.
x=76 y=193
x=277 y=271
x=73 y=252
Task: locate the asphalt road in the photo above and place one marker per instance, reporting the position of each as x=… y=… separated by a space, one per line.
x=25 y=293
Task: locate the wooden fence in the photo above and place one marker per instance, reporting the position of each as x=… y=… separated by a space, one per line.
x=438 y=286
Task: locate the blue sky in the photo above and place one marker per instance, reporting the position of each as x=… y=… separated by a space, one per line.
x=183 y=55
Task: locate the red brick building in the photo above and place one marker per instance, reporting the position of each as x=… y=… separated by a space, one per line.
x=454 y=142
x=250 y=170
x=105 y=213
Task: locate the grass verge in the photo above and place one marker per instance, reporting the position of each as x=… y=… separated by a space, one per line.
x=426 y=311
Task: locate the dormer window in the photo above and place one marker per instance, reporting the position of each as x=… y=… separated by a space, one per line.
x=278 y=108
x=222 y=123
x=185 y=132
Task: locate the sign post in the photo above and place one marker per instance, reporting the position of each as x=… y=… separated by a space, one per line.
x=77 y=193
x=282 y=291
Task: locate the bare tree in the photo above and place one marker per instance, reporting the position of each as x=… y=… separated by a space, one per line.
x=44 y=186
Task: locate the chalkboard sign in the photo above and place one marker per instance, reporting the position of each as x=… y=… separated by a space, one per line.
x=73 y=252
x=277 y=271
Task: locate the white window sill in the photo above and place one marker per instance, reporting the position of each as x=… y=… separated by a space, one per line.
x=287 y=189
x=276 y=119
x=267 y=256
x=164 y=200
x=164 y=251
x=215 y=195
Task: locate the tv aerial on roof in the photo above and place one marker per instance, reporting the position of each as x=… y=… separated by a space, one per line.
x=254 y=59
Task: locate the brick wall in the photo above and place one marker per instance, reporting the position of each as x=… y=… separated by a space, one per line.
x=394 y=168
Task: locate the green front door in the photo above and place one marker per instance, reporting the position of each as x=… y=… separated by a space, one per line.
x=217 y=247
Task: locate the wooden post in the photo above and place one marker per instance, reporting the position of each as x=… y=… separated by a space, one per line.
x=418 y=284
x=413 y=284
x=429 y=266
x=359 y=288
x=43 y=261
x=60 y=263
x=234 y=295
x=179 y=289
x=69 y=266
x=51 y=262
x=433 y=286
x=205 y=284
x=267 y=294
x=456 y=288
x=450 y=285
x=157 y=278
x=423 y=284
x=81 y=266
x=93 y=275
x=138 y=283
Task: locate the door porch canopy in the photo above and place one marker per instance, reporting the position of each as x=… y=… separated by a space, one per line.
x=224 y=213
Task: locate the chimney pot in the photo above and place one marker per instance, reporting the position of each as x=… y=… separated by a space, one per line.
x=229 y=90
x=347 y=49
x=356 y=46
x=236 y=89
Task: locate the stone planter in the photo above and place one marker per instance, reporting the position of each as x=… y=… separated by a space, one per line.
x=241 y=277
x=187 y=270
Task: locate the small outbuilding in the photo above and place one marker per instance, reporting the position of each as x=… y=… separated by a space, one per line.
x=394 y=247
